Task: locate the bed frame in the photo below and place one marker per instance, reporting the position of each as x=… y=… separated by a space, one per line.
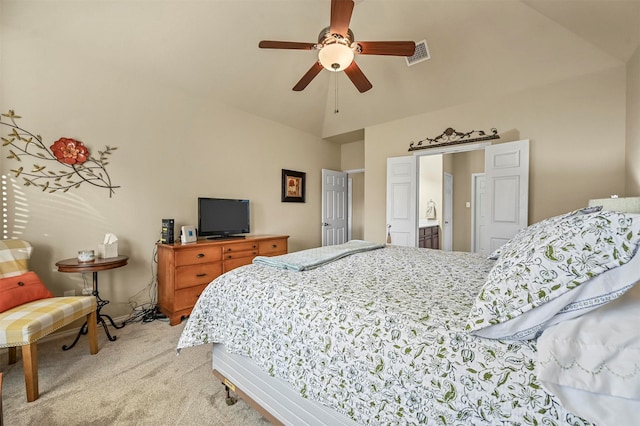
x=273 y=398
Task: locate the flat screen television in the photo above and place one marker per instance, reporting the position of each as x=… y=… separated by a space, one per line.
x=222 y=217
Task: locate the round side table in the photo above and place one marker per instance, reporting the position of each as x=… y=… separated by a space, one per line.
x=95 y=266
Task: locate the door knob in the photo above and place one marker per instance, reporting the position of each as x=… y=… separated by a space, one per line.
x=325 y=224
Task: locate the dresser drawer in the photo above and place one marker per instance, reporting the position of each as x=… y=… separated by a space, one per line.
x=234 y=263
x=276 y=246
x=186 y=298
x=196 y=255
x=189 y=276
x=240 y=254
x=428 y=231
x=249 y=245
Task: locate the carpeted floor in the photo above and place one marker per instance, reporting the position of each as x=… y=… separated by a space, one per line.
x=136 y=380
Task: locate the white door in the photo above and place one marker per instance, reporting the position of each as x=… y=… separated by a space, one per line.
x=506 y=168
x=334 y=207
x=402 y=205
x=478 y=210
x=447 y=213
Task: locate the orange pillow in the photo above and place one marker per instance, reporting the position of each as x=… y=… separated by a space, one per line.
x=18 y=290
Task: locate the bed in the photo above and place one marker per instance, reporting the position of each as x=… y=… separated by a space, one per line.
x=399 y=335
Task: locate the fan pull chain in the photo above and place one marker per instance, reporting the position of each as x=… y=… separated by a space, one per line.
x=335 y=110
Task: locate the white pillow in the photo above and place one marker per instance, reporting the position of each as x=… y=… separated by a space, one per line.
x=593 y=362
x=599 y=409
x=549 y=263
x=592 y=294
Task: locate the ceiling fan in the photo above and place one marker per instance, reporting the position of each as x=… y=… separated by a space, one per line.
x=337 y=48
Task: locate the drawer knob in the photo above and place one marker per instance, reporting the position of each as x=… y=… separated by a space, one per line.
x=274 y=245
x=254 y=246
x=201 y=275
x=200 y=255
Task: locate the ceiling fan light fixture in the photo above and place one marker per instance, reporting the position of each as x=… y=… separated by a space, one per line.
x=337 y=48
x=335 y=57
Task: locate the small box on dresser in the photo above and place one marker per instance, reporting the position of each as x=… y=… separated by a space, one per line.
x=185 y=270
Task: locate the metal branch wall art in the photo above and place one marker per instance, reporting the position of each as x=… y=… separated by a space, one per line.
x=453 y=137
x=79 y=166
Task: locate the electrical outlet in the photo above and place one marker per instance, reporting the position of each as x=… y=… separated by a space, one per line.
x=69 y=293
x=86 y=291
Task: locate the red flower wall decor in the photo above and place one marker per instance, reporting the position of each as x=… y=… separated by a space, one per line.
x=70 y=151
x=79 y=165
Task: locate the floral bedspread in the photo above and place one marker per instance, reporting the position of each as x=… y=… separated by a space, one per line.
x=380 y=337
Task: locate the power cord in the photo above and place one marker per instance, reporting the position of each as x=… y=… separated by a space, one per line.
x=147 y=312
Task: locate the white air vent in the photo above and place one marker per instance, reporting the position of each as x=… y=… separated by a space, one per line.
x=421 y=54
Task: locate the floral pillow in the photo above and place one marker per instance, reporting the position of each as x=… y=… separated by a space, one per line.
x=549 y=260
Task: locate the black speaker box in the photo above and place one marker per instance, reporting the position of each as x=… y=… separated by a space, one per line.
x=167 y=231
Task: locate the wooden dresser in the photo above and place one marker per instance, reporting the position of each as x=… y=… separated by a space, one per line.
x=184 y=270
x=429 y=237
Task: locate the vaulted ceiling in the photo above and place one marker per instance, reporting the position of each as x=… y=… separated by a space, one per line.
x=209 y=48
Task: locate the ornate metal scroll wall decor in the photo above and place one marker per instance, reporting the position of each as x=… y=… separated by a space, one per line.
x=453 y=137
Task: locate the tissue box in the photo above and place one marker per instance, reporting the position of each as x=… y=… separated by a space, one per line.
x=108 y=250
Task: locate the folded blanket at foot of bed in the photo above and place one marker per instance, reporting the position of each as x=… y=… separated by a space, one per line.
x=312 y=258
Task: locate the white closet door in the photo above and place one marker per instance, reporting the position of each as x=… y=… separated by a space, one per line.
x=402 y=205
x=507 y=183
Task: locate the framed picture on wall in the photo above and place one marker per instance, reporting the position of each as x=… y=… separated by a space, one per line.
x=293 y=186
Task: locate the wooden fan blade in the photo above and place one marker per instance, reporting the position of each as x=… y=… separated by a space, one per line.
x=357 y=77
x=392 y=48
x=310 y=75
x=340 y=16
x=269 y=44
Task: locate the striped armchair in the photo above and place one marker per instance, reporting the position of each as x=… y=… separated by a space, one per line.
x=25 y=324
